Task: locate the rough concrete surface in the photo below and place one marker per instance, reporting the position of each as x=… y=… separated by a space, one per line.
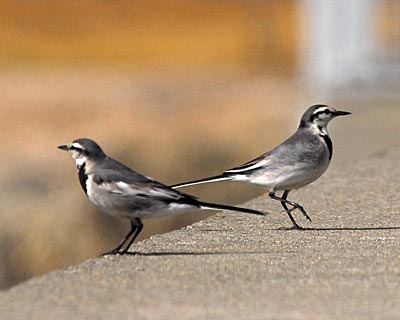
x=236 y=266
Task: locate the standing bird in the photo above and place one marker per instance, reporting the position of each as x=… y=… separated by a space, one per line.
x=121 y=192
x=296 y=162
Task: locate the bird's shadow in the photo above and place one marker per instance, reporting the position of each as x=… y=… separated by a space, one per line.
x=188 y=253
x=340 y=229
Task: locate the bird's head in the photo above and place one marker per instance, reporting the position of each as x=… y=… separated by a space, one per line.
x=318 y=116
x=82 y=150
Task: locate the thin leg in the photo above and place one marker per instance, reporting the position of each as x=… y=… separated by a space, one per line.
x=295 y=225
x=134 y=228
x=139 y=227
x=295 y=205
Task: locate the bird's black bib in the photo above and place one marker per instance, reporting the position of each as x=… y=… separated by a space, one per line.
x=328 y=142
x=82 y=177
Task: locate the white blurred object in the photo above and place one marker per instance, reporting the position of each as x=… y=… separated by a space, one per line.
x=343 y=50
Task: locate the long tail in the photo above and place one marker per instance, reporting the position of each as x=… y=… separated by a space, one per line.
x=214 y=206
x=201 y=181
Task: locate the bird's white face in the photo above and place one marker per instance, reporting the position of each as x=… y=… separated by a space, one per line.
x=77 y=152
x=320 y=118
x=323 y=115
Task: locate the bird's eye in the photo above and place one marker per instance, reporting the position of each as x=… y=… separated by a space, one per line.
x=76 y=148
x=327 y=111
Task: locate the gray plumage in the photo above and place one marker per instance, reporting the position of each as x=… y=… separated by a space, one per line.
x=121 y=192
x=293 y=164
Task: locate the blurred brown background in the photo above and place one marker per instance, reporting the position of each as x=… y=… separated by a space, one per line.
x=177 y=90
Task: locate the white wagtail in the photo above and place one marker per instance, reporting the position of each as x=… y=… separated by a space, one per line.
x=296 y=162
x=121 y=192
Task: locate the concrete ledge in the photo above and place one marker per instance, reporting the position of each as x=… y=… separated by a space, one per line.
x=243 y=267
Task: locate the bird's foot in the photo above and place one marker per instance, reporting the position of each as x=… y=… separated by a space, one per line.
x=120 y=252
x=297 y=206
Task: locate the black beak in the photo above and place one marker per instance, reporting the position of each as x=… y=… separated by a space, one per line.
x=342 y=113
x=63 y=147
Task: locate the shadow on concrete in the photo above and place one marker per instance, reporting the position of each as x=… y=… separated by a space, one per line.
x=185 y=253
x=354 y=229
x=336 y=229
